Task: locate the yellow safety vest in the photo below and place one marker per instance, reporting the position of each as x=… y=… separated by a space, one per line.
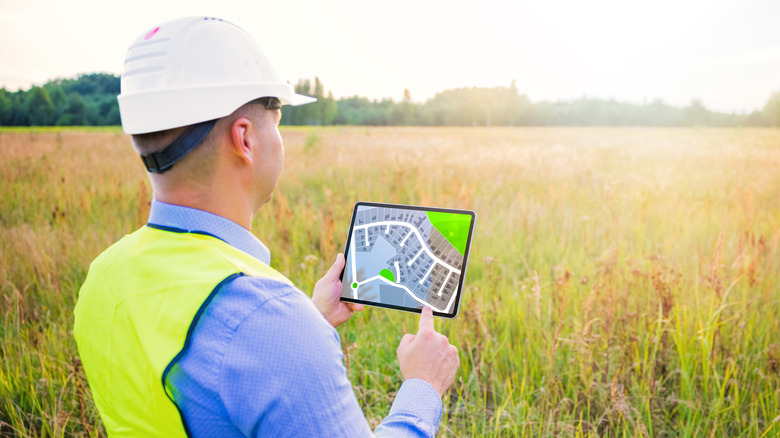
x=137 y=308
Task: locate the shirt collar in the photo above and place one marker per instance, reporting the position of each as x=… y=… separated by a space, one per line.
x=192 y=219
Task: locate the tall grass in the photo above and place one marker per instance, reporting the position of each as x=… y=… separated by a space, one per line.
x=623 y=282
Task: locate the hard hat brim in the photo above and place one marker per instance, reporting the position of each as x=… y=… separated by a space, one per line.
x=300 y=99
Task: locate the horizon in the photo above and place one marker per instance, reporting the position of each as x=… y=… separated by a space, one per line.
x=723 y=53
x=395 y=100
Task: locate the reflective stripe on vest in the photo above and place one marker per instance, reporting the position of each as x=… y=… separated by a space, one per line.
x=135 y=312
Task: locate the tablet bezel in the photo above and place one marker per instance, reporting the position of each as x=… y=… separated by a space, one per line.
x=467 y=251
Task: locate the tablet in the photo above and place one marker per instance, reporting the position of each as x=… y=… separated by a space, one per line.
x=406 y=257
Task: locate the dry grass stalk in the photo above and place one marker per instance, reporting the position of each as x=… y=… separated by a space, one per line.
x=716 y=283
x=537 y=290
x=555 y=343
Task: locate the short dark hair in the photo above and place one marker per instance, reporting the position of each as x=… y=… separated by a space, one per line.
x=269 y=102
x=156 y=141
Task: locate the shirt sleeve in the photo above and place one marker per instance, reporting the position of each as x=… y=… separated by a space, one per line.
x=282 y=375
x=416 y=412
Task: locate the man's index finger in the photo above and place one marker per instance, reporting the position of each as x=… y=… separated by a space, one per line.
x=426 y=320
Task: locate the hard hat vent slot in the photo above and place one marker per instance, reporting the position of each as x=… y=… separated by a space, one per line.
x=140 y=71
x=146 y=56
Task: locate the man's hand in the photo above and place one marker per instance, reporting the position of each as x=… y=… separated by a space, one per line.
x=428 y=355
x=326 y=296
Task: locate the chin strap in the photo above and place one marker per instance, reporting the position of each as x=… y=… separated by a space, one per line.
x=161 y=161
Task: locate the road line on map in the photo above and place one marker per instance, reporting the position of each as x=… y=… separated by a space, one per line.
x=414 y=258
x=427 y=273
x=449 y=273
x=415 y=297
x=406 y=238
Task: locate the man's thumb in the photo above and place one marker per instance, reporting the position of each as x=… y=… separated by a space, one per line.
x=335 y=271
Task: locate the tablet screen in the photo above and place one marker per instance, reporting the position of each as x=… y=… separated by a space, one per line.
x=405 y=257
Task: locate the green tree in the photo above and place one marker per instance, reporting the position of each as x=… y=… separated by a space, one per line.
x=696 y=114
x=19 y=112
x=404 y=113
x=772 y=110
x=58 y=99
x=329 y=109
x=108 y=110
x=40 y=108
x=92 y=111
x=76 y=112
x=6 y=107
x=352 y=111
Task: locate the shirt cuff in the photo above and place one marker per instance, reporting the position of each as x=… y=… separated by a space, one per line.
x=417 y=397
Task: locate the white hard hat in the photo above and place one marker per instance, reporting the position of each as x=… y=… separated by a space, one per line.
x=191 y=70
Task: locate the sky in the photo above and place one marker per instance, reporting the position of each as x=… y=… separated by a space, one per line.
x=726 y=53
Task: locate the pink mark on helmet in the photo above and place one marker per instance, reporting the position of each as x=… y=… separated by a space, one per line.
x=151 y=33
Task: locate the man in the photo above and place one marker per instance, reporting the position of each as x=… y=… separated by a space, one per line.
x=183 y=327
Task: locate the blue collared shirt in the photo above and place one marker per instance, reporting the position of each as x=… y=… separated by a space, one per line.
x=263 y=361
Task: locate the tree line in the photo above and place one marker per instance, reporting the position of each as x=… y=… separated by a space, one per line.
x=90 y=99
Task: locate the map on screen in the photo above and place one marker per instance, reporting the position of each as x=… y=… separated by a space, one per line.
x=407 y=257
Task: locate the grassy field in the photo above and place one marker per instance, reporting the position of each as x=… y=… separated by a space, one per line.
x=622 y=282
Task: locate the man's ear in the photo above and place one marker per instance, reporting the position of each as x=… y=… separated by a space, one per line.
x=242 y=142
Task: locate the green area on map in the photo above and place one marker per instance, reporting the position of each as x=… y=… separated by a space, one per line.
x=453 y=226
x=388 y=274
